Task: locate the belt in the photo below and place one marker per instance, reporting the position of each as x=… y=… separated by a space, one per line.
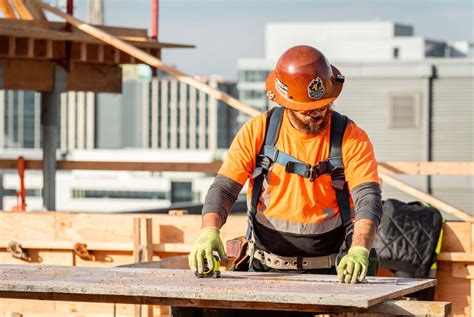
x=295 y=263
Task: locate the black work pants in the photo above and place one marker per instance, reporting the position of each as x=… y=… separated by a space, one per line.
x=257 y=266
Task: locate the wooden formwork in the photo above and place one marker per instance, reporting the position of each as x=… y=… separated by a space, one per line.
x=50 y=237
x=455 y=272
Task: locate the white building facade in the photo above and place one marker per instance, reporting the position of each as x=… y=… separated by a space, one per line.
x=157 y=120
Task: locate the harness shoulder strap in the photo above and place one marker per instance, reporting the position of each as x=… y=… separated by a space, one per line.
x=338 y=127
x=272 y=130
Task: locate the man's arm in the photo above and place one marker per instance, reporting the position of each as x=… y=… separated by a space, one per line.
x=220 y=198
x=368 y=209
x=219 y=201
x=368 y=212
x=364 y=233
x=212 y=219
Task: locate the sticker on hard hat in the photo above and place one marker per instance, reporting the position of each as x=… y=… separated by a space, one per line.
x=316 y=88
x=281 y=87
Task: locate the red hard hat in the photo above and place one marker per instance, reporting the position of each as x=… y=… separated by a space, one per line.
x=303 y=80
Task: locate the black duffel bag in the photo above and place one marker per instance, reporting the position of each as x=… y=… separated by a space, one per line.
x=407 y=238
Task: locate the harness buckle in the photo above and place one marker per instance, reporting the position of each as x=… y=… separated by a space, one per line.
x=311 y=172
x=265 y=161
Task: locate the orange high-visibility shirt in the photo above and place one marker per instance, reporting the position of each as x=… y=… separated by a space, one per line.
x=289 y=202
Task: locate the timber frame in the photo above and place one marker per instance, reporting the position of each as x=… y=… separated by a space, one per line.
x=31 y=48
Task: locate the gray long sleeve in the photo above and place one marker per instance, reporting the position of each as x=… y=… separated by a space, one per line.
x=221 y=196
x=368 y=202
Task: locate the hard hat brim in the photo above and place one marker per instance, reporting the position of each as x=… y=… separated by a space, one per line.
x=283 y=101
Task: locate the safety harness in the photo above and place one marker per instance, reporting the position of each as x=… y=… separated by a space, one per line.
x=333 y=166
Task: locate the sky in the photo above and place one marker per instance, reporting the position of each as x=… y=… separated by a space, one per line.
x=225 y=30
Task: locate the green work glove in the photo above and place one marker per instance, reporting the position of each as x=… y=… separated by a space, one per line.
x=208 y=241
x=353 y=266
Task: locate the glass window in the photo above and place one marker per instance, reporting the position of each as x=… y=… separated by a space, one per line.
x=181 y=192
x=404 y=111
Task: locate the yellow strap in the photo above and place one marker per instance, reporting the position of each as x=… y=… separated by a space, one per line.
x=438 y=246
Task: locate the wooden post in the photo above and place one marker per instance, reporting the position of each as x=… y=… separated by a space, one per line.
x=143 y=251
x=49 y=108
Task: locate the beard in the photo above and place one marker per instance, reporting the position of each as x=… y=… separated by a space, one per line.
x=310 y=124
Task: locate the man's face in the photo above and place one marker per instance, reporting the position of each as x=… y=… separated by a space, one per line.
x=311 y=121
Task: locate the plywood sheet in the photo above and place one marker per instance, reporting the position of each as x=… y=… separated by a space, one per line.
x=26 y=226
x=180 y=287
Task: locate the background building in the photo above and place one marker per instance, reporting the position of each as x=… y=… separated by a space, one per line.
x=412 y=95
x=156 y=119
x=160 y=113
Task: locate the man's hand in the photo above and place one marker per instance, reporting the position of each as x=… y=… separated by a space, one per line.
x=208 y=241
x=353 y=266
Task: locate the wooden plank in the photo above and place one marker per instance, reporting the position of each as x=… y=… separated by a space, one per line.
x=463 y=270
x=108 y=231
x=94 y=78
x=106 y=259
x=26 y=307
x=40 y=257
x=87 y=309
x=7 y=9
x=88 y=228
x=149 y=239
x=454 y=290
x=433 y=201
x=55 y=31
x=455 y=257
x=22 y=10
x=178 y=287
x=471 y=296
x=211 y=167
x=21 y=226
x=137 y=251
x=429 y=168
x=28 y=75
x=29 y=10
x=99 y=246
x=65 y=309
x=456 y=237
x=411 y=308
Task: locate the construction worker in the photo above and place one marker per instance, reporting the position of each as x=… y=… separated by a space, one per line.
x=313 y=181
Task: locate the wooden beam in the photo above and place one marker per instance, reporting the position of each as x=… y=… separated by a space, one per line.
x=22 y=10
x=54 y=31
x=274 y=291
x=151 y=60
x=101 y=246
x=429 y=168
x=29 y=10
x=463 y=270
x=455 y=257
x=412 y=308
x=433 y=201
x=7 y=9
x=94 y=78
x=211 y=167
x=28 y=75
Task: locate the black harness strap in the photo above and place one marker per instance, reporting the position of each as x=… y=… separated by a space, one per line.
x=338 y=126
x=263 y=164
